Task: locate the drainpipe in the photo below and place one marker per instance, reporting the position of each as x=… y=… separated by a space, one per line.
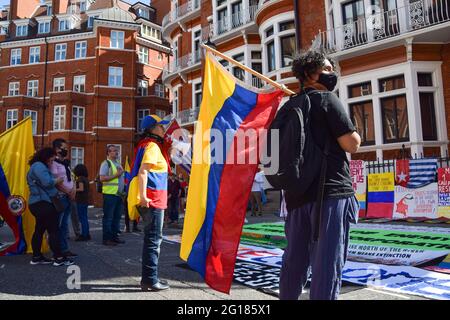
x=297 y=25
x=45 y=93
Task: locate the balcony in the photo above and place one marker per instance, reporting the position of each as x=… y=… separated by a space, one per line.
x=425 y=20
x=182 y=65
x=188 y=116
x=229 y=26
x=181 y=14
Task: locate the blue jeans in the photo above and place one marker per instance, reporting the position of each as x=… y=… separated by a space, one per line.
x=325 y=258
x=64 y=223
x=112 y=212
x=82 y=210
x=153 y=224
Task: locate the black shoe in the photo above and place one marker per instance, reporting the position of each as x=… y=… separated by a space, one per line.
x=109 y=243
x=81 y=238
x=88 y=238
x=69 y=254
x=118 y=241
x=63 y=261
x=40 y=260
x=156 y=287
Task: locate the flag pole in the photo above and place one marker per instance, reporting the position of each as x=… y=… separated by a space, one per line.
x=253 y=72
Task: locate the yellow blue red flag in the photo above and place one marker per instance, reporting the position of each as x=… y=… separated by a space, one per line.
x=219 y=192
x=16 y=149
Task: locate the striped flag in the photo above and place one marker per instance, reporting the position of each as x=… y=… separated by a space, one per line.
x=422 y=172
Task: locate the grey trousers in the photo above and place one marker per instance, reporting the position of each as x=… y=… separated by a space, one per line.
x=325 y=258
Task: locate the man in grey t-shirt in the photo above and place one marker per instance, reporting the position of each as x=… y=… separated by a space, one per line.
x=112 y=178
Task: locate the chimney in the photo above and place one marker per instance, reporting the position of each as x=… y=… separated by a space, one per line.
x=22 y=9
x=60 y=6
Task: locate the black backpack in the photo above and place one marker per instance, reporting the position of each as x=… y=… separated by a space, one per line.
x=301 y=160
x=98 y=183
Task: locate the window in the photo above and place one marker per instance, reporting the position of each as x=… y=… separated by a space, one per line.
x=197 y=36
x=159 y=90
x=256 y=55
x=143 y=14
x=222 y=20
x=141 y=114
x=14 y=89
x=34 y=54
x=117 y=39
x=59 y=84
x=143 y=54
x=59 y=118
x=142 y=88
x=359 y=90
x=77 y=118
x=82 y=8
x=115 y=78
x=289 y=25
x=257 y=82
x=160 y=113
x=197 y=95
x=238 y=72
x=237 y=18
x=114 y=114
x=16 y=56
x=362 y=117
x=22 y=31
x=79 y=83
x=12 y=117
x=49 y=10
x=221 y=2
x=60 y=52
x=392 y=83
x=32 y=89
x=33 y=115
x=269 y=32
x=428 y=116
x=271 y=56
x=80 y=49
x=44 y=27
x=425 y=79
x=76 y=156
x=91 y=21
x=395 y=119
x=287 y=50
x=64 y=25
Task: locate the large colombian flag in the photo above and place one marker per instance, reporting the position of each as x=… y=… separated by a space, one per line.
x=16 y=148
x=218 y=193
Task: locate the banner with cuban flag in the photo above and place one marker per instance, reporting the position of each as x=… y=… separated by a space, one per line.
x=16 y=149
x=219 y=190
x=415 y=173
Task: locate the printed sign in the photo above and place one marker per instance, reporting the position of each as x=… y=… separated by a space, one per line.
x=444 y=192
x=416 y=203
x=358 y=174
x=380 y=195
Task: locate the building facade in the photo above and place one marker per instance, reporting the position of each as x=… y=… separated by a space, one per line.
x=394 y=60
x=86 y=71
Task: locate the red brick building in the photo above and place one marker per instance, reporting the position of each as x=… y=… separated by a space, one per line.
x=86 y=71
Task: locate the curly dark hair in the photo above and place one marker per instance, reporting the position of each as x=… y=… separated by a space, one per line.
x=81 y=170
x=308 y=62
x=42 y=156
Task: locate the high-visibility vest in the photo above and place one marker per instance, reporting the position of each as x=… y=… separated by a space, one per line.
x=112 y=186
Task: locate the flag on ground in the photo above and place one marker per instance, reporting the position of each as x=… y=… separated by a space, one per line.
x=219 y=191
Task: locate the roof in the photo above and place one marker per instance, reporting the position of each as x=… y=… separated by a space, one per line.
x=41 y=11
x=117 y=14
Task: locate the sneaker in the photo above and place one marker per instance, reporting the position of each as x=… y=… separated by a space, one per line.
x=69 y=254
x=62 y=261
x=40 y=260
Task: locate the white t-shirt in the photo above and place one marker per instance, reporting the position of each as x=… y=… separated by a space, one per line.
x=258 y=183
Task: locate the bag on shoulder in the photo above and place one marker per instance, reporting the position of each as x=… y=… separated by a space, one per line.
x=57 y=203
x=98 y=183
x=298 y=156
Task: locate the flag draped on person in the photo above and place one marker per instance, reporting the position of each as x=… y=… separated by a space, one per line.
x=219 y=192
x=16 y=149
x=416 y=173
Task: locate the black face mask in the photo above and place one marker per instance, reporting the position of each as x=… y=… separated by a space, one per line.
x=329 y=80
x=63 y=153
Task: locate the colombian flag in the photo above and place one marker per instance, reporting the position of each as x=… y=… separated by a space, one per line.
x=380 y=195
x=16 y=149
x=219 y=191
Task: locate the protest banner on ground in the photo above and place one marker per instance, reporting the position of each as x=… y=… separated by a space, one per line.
x=416 y=202
x=380 y=196
x=358 y=174
x=444 y=192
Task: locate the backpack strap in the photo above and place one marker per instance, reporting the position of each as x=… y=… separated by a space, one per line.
x=321 y=191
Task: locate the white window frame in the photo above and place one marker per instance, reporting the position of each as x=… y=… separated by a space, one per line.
x=76 y=156
x=141 y=114
x=91 y=20
x=14 y=89
x=115 y=77
x=117 y=39
x=33 y=85
x=142 y=89
x=60 y=51
x=78 y=113
x=160 y=90
x=143 y=55
x=59 y=118
x=79 y=83
x=12 y=117
x=80 y=49
x=16 y=56
x=59 y=84
x=44 y=27
x=194 y=92
x=34 y=57
x=115 y=109
x=83 y=6
x=65 y=23
x=22 y=30
x=34 y=115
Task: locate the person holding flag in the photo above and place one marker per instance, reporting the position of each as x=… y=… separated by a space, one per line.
x=147 y=195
